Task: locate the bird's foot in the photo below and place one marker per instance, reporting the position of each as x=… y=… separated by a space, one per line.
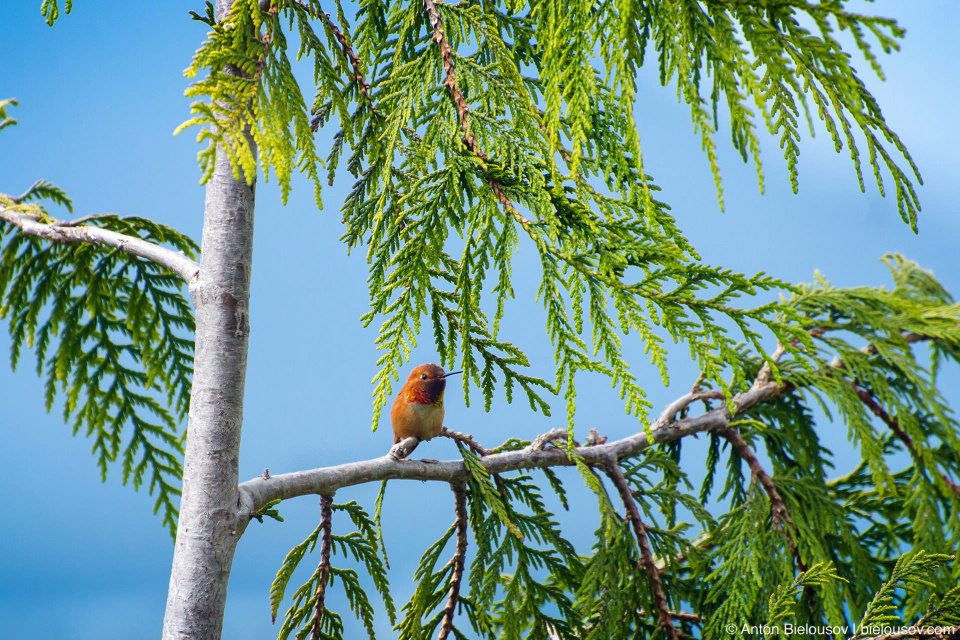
x=402 y=449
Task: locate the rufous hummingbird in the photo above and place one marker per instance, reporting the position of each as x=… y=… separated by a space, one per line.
x=418 y=409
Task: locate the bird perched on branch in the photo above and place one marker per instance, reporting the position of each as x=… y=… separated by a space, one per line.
x=418 y=409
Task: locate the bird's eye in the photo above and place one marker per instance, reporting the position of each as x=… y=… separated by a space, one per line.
x=423 y=376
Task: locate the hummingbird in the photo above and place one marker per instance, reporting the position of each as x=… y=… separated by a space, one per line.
x=418 y=408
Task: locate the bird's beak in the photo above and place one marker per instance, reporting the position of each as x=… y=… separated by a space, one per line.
x=452 y=373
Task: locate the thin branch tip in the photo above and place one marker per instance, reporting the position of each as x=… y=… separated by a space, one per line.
x=458 y=561
x=647 y=559
x=323 y=569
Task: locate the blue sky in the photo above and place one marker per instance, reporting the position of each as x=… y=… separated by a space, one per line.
x=99 y=102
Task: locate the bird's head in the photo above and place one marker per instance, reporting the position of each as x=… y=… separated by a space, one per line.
x=430 y=379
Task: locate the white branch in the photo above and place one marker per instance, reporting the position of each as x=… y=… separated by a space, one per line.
x=256 y=493
x=54 y=232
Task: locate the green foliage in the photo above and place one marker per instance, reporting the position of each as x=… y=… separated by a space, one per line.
x=268 y=511
x=491 y=165
x=43 y=190
x=6 y=121
x=889 y=374
x=512 y=530
x=50 y=10
x=615 y=598
x=251 y=96
x=522 y=586
x=432 y=585
x=477 y=129
x=360 y=545
x=749 y=565
x=526 y=579
x=747 y=568
x=769 y=55
x=912 y=571
x=112 y=333
x=620 y=259
x=783 y=601
x=378 y=509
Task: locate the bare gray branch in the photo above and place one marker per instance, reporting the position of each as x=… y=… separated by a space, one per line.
x=175 y=261
x=259 y=491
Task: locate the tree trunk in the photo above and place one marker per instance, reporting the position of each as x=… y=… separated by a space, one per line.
x=209 y=525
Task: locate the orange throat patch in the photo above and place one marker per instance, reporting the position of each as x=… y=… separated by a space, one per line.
x=421 y=396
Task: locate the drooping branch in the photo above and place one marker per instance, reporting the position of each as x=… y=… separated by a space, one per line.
x=459 y=559
x=362 y=85
x=463 y=110
x=778 y=510
x=450 y=78
x=648 y=560
x=893 y=424
x=323 y=569
x=69 y=232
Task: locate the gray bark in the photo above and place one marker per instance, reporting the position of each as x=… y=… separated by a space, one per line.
x=210 y=524
x=256 y=493
x=69 y=232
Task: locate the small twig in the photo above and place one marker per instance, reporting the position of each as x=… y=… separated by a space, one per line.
x=909 y=338
x=685 y=401
x=19 y=199
x=78 y=221
x=458 y=560
x=893 y=423
x=466 y=439
x=766 y=372
x=594 y=438
x=544 y=439
x=696 y=385
x=686 y=616
x=616 y=476
x=326 y=514
x=871 y=349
